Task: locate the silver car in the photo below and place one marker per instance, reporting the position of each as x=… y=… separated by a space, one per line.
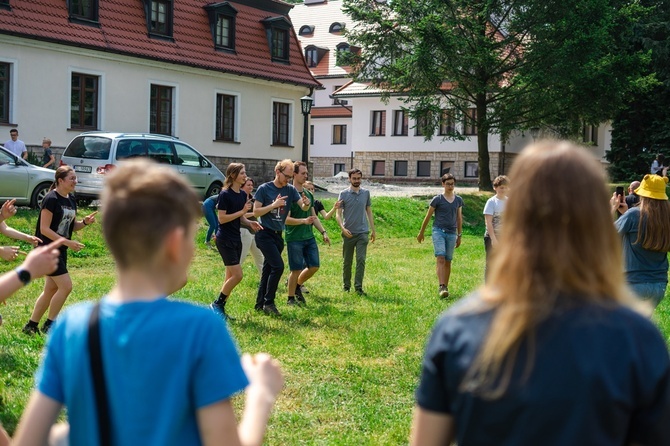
x=23 y=181
x=93 y=154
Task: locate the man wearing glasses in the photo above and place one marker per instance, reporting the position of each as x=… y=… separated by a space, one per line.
x=358 y=228
x=273 y=201
x=447 y=230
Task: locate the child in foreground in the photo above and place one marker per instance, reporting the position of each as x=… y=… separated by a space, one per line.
x=171 y=368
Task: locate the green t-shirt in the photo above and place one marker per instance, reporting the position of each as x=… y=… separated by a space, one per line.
x=298 y=233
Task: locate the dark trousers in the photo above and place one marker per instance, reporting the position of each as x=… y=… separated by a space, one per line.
x=271 y=245
x=487 y=248
x=358 y=243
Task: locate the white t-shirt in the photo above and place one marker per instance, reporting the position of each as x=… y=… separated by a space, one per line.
x=495 y=206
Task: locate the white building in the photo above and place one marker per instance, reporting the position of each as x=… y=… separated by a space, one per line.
x=225 y=77
x=380 y=139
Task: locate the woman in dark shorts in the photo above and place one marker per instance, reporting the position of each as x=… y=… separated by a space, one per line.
x=233 y=204
x=57 y=219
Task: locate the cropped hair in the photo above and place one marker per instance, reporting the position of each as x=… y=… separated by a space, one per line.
x=447 y=177
x=283 y=164
x=654 y=226
x=46 y=141
x=297 y=164
x=558 y=247
x=232 y=172
x=355 y=171
x=501 y=180
x=142 y=202
x=61 y=173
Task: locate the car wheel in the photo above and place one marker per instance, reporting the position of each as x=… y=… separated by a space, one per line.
x=38 y=195
x=84 y=202
x=214 y=189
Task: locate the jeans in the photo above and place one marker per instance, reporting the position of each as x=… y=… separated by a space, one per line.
x=212 y=220
x=359 y=243
x=650 y=291
x=271 y=245
x=303 y=254
x=444 y=243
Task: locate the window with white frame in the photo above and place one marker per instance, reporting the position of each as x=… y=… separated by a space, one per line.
x=5 y=91
x=590 y=134
x=447 y=123
x=161 y=109
x=470 y=122
x=86 y=10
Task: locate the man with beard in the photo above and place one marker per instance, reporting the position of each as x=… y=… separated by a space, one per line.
x=355 y=219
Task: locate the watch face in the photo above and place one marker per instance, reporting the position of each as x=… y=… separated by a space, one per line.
x=24 y=276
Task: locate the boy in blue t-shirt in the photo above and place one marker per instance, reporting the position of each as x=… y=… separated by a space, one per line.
x=170 y=367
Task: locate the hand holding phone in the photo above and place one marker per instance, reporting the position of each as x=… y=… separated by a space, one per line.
x=619 y=193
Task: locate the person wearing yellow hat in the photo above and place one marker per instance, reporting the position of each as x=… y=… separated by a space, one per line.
x=645 y=231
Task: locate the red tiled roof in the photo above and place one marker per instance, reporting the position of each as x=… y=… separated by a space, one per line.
x=123 y=30
x=331 y=112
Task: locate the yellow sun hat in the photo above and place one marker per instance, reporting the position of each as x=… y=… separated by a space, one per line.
x=653 y=186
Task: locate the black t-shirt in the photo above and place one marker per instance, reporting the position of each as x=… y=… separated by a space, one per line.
x=318 y=207
x=47 y=156
x=601 y=376
x=64 y=210
x=231 y=202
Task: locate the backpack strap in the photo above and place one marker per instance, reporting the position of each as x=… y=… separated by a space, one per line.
x=95 y=353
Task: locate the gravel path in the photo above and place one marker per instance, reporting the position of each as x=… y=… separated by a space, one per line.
x=335 y=185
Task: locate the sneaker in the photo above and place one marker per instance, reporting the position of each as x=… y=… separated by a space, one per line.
x=360 y=292
x=271 y=309
x=304 y=289
x=301 y=300
x=30 y=329
x=298 y=291
x=444 y=291
x=45 y=328
x=291 y=301
x=220 y=310
x=346 y=289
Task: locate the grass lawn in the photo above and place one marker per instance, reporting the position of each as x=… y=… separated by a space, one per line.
x=351 y=363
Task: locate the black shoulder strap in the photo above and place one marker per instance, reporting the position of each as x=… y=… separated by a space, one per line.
x=95 y=353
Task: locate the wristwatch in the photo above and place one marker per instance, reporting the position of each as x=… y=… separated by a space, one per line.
x=24 y=276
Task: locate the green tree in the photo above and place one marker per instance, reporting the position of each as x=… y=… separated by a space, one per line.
x=519 y=64
x=641 y=129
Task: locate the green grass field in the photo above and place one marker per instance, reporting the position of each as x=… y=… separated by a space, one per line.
x=351 y=363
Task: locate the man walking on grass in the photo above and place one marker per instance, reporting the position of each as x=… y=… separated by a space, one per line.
x=358 y=228
x=303 y=253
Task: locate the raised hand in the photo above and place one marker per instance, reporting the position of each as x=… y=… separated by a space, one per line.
x=90 y=218
x=7 y=210
x=280 y=201
x=43 y=260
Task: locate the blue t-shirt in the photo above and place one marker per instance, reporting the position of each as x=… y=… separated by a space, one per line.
x=231 y=202
x=641 y=265
x=266 y=194
x=354 y=206
x=446 y=213
x=600 y=376
x=163 y=360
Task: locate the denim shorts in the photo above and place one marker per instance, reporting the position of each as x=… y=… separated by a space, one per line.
x=649 y=291
x=303 y=254
x=444 y=243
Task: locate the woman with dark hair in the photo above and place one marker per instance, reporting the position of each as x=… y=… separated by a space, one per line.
x=550 y=351
x=57 y=219
x=233 y=204
x=645 y=230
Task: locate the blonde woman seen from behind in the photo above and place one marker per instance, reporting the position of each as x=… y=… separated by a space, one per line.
x=550 y=350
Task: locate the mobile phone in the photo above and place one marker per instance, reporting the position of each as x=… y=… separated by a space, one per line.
x=619 y=192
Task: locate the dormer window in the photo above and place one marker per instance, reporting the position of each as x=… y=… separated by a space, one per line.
x=277 y=30
x=336 y=27
x=306 y=30
x=83 y=10
x=344 y=53
x=314 y=54
x=4 y=4
x=222 y=24
x=159 y=17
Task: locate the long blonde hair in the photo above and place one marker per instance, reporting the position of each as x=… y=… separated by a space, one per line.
x=558 y=245
x=654 y=227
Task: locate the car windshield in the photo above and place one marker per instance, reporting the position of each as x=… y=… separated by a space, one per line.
x=92 y=147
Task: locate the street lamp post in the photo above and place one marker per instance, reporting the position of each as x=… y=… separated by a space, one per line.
x=306 y=104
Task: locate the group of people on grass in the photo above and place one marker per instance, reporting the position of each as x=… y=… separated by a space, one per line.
x=554 y=349
x=284 y=206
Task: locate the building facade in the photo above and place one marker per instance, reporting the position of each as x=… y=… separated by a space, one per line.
x=225 y=77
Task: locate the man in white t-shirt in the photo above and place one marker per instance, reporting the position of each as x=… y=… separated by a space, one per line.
x=15 y=145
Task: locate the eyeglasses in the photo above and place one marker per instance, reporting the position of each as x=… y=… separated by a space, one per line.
x=448 y=184
x=286 y=176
